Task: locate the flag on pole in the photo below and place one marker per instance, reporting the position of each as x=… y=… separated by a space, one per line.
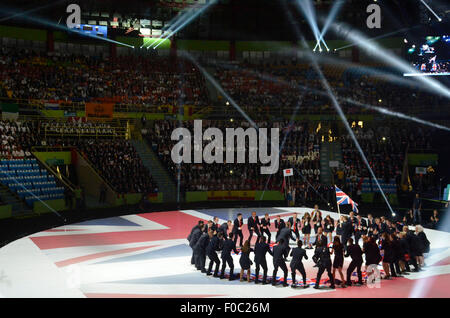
x=342 y=199
x=288 y=172
x=283 y=185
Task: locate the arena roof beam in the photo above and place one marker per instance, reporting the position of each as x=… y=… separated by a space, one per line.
x=382 y=54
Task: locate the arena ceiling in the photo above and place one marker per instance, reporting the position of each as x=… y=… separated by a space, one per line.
x=227 y=20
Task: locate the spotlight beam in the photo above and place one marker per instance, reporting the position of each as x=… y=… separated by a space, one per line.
x=431 y=10
x=308 y=12
x=30 y=11
x=387 y=57
x=376 y=38
x=338 y=108
x=219 y=88
x=337 y=5
x=186 y=21
x=378 y=109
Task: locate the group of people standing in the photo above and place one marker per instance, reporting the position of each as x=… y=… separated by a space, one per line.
x=385 y=241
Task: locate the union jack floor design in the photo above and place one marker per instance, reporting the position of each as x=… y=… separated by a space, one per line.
x=147 y=255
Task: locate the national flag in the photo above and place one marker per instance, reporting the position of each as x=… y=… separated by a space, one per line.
x=342 y=199
x=288 y=172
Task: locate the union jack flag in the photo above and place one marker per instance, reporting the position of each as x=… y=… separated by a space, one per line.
x=342 y=199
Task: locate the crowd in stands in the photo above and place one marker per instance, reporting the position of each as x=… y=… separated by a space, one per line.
x=17 y=138
x=78 y=78
x=385 y=147
x=279 y=87
x=300 y=152
x=115 y=159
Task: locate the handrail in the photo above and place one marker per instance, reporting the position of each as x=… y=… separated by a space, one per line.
x=61 y=177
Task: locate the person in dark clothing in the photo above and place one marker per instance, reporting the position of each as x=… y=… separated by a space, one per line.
x=211 y=251
x=193 y=238
x=279 y=224
x=224 y=228
x=347 y=232
x=261 y=249
x=296 y=264
x=370 y=225
x=338 y=262
x=424 y=245
x=373 y=258
x=395 y=265
x=294 y=221
x=389 y=254
x=245 y=261
x=414 y=248
x=253 y=227
x=200 y=251
x=417 y=207
x=404 y=250
x=320 y=238
x=323 y=260
x=285 y=236
x=265 y=227
x=228 y=246
x=279 y=252
x=237 y=229
x=360 y=228
x=355 y=252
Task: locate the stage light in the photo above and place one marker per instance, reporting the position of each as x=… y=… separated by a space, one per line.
x=405 y=40
x=231 y=119
x=431 y=10
x=227 y=103
x=380 y=100
x=384 y=138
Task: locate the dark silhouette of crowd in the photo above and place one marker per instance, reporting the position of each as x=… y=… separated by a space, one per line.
x=367 y=243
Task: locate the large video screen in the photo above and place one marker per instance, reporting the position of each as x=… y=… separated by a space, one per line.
x=430 y=56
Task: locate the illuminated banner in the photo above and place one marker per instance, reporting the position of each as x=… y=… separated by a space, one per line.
x=231 y=195
x=103 y=110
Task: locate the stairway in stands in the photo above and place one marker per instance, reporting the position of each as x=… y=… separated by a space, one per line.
x=23 y=181
x=329 y=151
x=159 y=173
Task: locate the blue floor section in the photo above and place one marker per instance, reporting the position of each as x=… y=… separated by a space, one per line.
x=172 y=251
x=114 y=221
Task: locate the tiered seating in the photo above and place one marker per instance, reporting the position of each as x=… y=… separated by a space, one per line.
x=388 y=187
x=29 y=181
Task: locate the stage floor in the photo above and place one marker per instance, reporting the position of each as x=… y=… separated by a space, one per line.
x=147 y=255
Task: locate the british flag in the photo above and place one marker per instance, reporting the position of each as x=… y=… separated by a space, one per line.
x=342 y=199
